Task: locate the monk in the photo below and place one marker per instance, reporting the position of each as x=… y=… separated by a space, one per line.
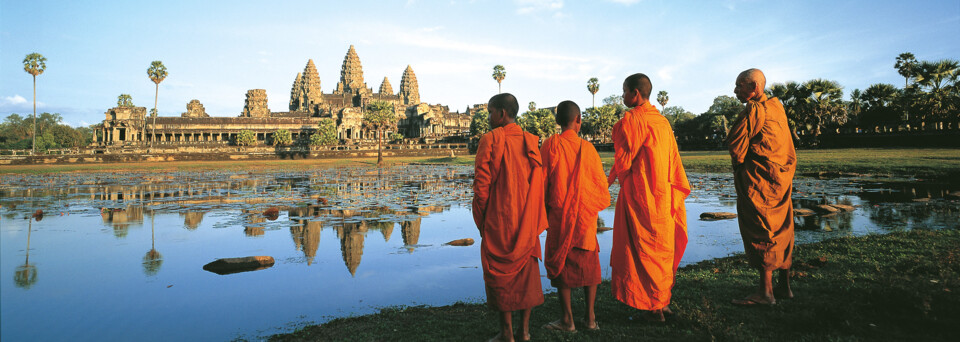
x=576 y=192
x=764 y=162
x=650 y=223
x=508 y=208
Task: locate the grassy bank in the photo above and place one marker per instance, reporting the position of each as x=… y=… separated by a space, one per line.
x=901 y=286
x=923 y=163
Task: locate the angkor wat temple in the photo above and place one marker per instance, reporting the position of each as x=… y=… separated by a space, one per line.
x=417 y=121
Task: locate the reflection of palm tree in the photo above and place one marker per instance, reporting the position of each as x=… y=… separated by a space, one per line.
x=26 y=274
x=152 y=260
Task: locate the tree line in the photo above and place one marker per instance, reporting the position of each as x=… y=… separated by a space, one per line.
x=17 y=133
x=928 y=101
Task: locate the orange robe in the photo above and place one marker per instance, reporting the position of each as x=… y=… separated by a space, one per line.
x=576 y=192
x=509 y=211
x=650 y=226
x=764 y=161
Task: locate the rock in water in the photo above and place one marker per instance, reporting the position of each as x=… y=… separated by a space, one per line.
x=826 y=209
x=717 y=216
x=843 y=207
x=802 y=212
x=236 y=265
x=461 y=242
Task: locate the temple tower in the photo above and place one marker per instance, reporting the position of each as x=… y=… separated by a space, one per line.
x=256 y=104
x=385 y=87
x=409 y=90
x=351 y=75
x=305 y=95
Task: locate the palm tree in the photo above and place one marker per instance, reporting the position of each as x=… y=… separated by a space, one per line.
x=499 y=73
x=825 y=99
x=157 y=73
x=34 y=64
x=593 y=85
x=906 y=66
x=380 y=114
x=934 y=77
x=662 y=98
x=879 y=105
x=124 y=100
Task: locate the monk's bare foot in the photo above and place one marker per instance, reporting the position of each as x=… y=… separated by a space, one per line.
x=592 y=326
x=501 y=338
x=525 y=337
x=559 y=326
x=655 y=316
x=667 y=311
x=783 y=292
x=754 y=299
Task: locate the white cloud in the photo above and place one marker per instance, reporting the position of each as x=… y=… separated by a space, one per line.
x=15 y=100
x=534 y=6
x=625 y=2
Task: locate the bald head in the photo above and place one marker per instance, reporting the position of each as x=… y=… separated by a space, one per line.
x=506 y=102
x=750 y=84
x=567 y=112
x=639 y=82
x=753 y=77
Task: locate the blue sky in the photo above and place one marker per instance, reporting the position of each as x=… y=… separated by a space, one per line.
x=216 y=50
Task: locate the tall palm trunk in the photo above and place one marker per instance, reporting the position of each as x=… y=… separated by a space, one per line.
x=34 y=149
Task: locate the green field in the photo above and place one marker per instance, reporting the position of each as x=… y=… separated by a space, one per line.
x=899 y=286
x=923 y=163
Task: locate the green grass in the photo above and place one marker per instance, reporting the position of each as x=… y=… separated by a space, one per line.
x=899 y=286
x=924 y=163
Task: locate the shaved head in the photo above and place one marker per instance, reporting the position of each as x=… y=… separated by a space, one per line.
x=507 y=102
x=567 y=112
x=639 y=82
x=754 y=77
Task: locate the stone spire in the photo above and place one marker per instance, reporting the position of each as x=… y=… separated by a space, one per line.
x=305 y=94
x=409 y=90
x=385 y=87
x=256 y=104
x=351 y=75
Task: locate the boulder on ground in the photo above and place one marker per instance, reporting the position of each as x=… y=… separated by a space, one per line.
x=717 y=216
x=236 y=265
x=826 y=209
x=461 y=242
x=802 y=212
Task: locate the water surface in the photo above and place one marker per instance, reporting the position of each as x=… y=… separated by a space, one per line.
x=120 y=256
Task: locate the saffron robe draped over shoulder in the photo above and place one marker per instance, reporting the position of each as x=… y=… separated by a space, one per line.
x=650 y=227
x=764 y=162
x=509 y=211
x=576 y=192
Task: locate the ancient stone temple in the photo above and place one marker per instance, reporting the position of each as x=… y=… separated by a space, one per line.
x=418 y=122
x=195 y=110
x=255 y=106
x=409 y=89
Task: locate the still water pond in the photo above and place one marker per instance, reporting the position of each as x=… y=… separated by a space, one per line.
x=120 y=256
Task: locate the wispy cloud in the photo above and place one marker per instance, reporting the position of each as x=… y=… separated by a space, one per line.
x=625 y=2
x=17 y=103
x=537 y=6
